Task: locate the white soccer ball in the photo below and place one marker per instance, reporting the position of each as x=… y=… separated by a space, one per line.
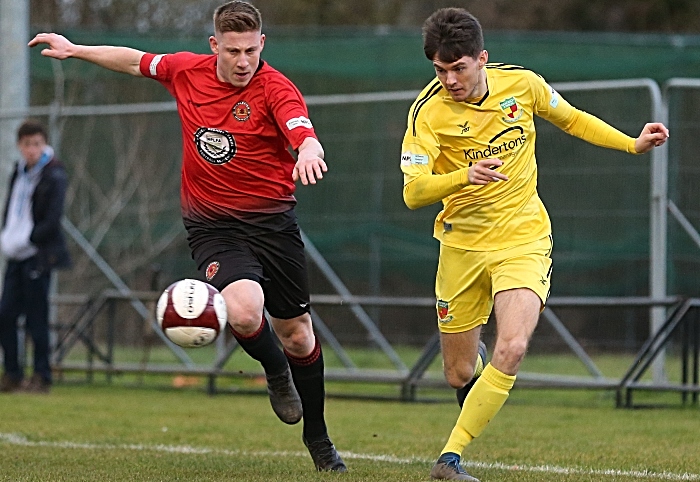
x=191 y=313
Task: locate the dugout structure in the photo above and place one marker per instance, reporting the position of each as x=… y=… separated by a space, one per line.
x=373 y=260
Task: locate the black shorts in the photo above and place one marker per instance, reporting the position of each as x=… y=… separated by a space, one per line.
x=273 y=258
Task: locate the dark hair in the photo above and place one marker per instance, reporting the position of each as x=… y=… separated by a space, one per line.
x=452 y=33
x=31 y=128
x=237 y=16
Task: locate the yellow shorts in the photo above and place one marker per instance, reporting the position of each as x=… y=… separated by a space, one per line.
x=467 y=281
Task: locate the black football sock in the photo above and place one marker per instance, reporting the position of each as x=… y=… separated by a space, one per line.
x=262 y=347
x=308 y=379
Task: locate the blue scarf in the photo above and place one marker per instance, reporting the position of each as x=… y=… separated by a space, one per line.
x=26 y=174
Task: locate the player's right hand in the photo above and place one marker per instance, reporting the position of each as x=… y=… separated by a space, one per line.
x=484 y=172
x=59 y=46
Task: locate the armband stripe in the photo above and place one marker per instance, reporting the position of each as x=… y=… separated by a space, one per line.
x=153 y=67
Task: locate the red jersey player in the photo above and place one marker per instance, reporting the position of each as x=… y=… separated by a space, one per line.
x=235 y=140
x=238 y=117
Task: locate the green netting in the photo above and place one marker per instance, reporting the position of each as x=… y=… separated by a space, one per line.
x=353 y=60
x=684 y=178
x=598 y=199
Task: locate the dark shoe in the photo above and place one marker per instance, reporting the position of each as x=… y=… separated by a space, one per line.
x=324 y=455
x=9 y=384
x=462 y=392
x=36 y=384
x=447 y=468
x=284 y=398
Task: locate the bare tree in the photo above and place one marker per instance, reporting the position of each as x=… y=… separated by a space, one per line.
x=194 y=16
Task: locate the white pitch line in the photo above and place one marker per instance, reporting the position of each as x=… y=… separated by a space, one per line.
x=17 y=439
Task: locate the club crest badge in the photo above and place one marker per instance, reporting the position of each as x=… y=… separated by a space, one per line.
x=212 y=269
x=443 y=310
x=241 y=111
x=512 y=110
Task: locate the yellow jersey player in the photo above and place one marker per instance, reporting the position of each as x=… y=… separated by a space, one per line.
x=470 y=143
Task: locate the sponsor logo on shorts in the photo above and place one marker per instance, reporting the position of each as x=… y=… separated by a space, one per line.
x=214 y=145
x=212 y=269
x=443 y=310
x=512 y=110
x=241 y=111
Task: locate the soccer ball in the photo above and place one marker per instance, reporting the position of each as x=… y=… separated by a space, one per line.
x=191 y=313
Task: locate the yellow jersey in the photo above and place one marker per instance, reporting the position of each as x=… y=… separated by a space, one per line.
x=444 y=138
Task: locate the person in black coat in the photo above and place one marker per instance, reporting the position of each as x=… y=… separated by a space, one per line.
x=33 y=245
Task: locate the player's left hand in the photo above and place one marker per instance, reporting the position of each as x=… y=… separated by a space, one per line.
x=653 y=135
x=309 y=170
x=310 y=165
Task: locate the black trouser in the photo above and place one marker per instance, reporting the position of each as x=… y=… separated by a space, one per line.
x=25 y=291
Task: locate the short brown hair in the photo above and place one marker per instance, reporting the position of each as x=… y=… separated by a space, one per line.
x=30 y=128
x=452 y=33
x=237 y=16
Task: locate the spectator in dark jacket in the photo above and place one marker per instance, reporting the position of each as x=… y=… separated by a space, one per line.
x=33 y=245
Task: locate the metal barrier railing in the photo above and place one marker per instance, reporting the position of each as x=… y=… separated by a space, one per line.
x=408 y=376
x=101 y=359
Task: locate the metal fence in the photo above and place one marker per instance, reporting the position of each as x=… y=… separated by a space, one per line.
x=372 y=261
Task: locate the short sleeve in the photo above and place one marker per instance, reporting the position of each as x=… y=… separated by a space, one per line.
x=165 y=67
x=155 y=66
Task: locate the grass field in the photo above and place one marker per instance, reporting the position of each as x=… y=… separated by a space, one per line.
x=116 y=432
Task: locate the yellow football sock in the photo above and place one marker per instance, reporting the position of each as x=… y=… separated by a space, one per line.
x=485 y=399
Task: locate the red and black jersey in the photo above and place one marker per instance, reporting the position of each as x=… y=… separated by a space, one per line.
x=235 y=140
